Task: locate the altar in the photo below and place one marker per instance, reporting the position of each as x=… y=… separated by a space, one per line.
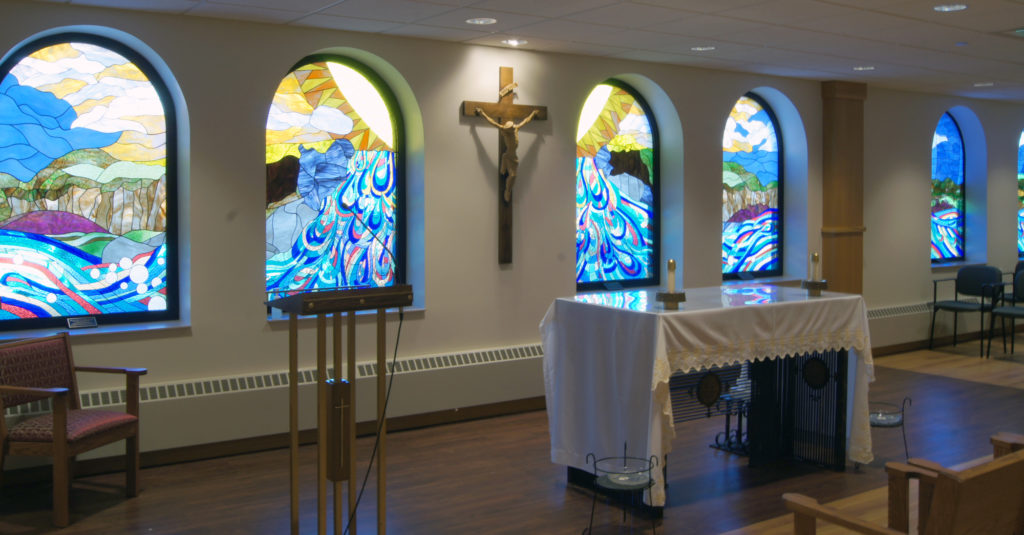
x=608 y=358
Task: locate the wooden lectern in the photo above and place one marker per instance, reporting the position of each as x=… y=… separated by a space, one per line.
x=322 y=303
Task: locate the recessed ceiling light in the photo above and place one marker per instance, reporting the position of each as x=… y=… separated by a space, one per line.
x=984 y=84
x=864 y=68
x=949 y=8
x=514 y=42
x=481 y=21
x=707 y=48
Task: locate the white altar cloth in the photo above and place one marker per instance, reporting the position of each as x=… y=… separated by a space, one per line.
x=608 y=358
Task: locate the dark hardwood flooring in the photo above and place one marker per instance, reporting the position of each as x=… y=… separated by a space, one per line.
x=494 y=476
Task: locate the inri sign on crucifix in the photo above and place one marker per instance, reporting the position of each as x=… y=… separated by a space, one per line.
x=508 y=117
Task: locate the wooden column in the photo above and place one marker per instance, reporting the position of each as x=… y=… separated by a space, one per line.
x=842 y=146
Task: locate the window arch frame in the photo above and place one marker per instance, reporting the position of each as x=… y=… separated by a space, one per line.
x=397 y=252
x=655 y=220
x=780 y=194
x=963 y=193
x=172 y=277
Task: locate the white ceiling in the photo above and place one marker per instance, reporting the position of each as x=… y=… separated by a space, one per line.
x=907 y=42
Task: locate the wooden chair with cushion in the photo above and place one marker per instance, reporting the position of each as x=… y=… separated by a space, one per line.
x=987 y=498
x=40 y=368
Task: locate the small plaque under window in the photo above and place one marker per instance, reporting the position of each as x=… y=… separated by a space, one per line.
x=82 y=322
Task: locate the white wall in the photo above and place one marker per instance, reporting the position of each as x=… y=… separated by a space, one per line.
x=228 y=71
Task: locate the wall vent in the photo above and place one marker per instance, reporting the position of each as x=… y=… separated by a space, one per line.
x=900 y=310
x=222 y=385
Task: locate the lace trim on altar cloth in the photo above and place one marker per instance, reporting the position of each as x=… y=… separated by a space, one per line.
x=698 y=358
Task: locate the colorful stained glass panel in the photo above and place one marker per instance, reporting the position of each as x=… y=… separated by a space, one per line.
x=331 y=182
x=947 y=191
x=614 y=189
x=750 y=190
x=1020 y=195
x=83 y=186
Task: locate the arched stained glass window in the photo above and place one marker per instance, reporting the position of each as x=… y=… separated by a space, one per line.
x=616 y=190
x=87 y=185
x=751 y=191
x=1020 y=195
x=947 y=191
x=333 y=185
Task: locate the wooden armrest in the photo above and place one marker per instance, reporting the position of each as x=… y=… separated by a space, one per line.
x=916 y=468
x=926 y=466
x=900 y=475
x=809 y=509
x=32 y=391
x=131 y=380
x=111 y=369
x=1004 y=443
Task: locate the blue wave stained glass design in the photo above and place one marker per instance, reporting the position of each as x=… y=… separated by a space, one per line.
x=947 y=213
x=83 y=187
x=337 y=247
x=1020 y=195
x=331 y=182
x=614 y=189
x=625 y=299
x=750 y=190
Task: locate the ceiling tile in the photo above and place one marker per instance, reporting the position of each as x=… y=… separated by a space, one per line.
x=352 y=24
x=168 y=6
x=544 y=8
x=703 y=6
x=456 y=18
x=234 y=12
x=630 y=15
x=788 y=12
x=565 y=30
x=712 y=26
x=551 y=45
x=303 y=6
x=435 y=32
x=389 y=10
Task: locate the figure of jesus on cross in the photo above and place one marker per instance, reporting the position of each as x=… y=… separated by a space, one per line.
x=509 y=132
x=508 y=117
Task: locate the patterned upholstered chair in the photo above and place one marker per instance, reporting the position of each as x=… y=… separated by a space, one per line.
x=40 y=368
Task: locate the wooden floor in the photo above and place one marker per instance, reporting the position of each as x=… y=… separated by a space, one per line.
x=494 y=475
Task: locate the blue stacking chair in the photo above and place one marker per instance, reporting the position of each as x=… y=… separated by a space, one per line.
x=1009 y=309
x=981 y=282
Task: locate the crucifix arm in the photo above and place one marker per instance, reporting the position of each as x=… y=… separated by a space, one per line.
x=482 y=113
x=527 y=119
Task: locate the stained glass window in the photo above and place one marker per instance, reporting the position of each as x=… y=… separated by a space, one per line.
x=751 y=191
x=616 y=190
x=333 y=214
x=947 y=191
x=87 y=186
x=1020 y=195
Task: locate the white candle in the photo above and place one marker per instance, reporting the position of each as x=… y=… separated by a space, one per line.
x=816 y=261
x=671 y=276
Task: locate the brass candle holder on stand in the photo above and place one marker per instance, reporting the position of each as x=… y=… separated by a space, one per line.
x=671 y=298
x=814 y=284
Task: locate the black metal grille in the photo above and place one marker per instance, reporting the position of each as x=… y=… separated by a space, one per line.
x=798 y=409
x=684 y=391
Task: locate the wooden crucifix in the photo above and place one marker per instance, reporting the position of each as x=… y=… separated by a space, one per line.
x=508 y=117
